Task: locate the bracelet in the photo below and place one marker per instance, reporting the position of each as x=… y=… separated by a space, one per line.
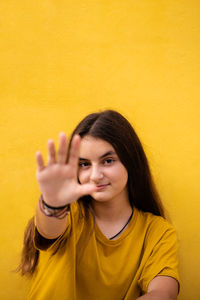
x=51 y=211
x=52 y=207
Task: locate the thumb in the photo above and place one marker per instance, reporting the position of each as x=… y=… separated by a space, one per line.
x=87 y=189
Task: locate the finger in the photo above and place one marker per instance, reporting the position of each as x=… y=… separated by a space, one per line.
x=62 y=148
x=87 y=189
x=74 y=152
x=40 y=161
x=51 y=152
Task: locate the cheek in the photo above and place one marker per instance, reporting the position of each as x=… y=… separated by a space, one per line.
x=122 y=179
x=125 y=175
x=117 y=175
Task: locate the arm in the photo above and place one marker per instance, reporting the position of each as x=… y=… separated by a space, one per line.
x=161 y=288
x=49 y=227
x=58 y=184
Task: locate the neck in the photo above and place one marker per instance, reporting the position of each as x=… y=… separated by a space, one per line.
x=112 y=210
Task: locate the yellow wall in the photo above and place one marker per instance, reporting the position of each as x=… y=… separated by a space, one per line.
x=60 y=60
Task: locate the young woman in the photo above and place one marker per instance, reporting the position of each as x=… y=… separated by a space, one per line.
x=99 y=231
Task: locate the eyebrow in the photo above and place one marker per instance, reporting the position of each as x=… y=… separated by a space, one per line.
x=102 y=156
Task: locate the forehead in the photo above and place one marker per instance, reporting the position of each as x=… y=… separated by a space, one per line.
x=94 y=147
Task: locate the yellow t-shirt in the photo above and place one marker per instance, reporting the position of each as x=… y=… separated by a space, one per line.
x=90 y=266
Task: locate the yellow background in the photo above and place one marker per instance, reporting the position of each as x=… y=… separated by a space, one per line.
x=60 y=60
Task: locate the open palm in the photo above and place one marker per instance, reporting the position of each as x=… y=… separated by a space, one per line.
x=58 y=180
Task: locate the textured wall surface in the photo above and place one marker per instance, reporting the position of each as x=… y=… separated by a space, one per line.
x=60 y=60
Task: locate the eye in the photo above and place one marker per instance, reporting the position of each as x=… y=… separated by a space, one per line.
x=83 y=164
x=108 y=161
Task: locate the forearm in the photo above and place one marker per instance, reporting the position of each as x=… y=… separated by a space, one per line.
x=50 y=227
x=157 y=295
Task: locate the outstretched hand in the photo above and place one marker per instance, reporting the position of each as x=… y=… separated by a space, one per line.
x=58 y=180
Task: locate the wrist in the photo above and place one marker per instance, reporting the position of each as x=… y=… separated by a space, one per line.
x=53 y=211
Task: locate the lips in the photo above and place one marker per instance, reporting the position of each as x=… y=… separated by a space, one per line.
x=101 y=186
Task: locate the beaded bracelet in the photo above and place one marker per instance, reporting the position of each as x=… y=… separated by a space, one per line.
x=59 y=212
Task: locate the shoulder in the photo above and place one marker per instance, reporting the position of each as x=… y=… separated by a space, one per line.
x=154 y=227
x=153 y=222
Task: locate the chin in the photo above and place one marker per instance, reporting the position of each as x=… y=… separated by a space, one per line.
x=98 y=196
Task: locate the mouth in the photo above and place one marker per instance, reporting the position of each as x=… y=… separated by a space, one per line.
x=102 y=186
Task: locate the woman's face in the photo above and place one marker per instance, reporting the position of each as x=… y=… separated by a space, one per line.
x=100 y=165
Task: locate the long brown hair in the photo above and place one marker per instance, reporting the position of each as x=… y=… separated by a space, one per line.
x=30 y=255
x=112 y=127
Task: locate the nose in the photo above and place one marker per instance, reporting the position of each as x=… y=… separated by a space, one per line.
x=96 y=174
